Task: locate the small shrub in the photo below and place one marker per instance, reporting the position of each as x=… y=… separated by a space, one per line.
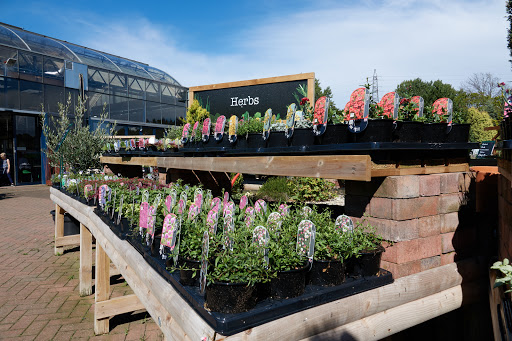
x=275 y=189
x=311 y=189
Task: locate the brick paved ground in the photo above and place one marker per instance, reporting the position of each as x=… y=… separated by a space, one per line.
x=39 y=297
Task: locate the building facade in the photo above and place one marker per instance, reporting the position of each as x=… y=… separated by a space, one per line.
x=38 y=72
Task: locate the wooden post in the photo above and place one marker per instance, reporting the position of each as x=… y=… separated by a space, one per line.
x=59 y=228
x=85 y=273
x=102 y=289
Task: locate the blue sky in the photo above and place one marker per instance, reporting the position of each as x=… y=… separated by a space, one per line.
x=205 y=42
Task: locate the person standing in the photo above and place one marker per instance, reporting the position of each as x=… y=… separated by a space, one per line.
x=6 y=167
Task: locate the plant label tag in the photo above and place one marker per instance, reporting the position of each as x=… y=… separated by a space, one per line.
x=306 y=211
x=207 y=199
x=117 y=146
x=249 y=216
x=226 y=199
x=184 y=196
x=228 y=229
x=114 y=205
x=344 y=224
x=444 y=107
x=219 y=128
x=215 y=205
x=169 y=202
x=145 y=196
x=143 y=216
x=181 y=206
x=358 y=110
x=150 y=235
x=243 y=202
x=211 y=222
x=306 y=239
x=233 y=128
x=96 y=194
x=290 y=120
x=185 y=133
x=193 y=212
x=109 y=194
x=102 y=196
x=170 y=230
x=195 y=131
x=320 y=116
x=260 y=206
x=198 y=198
x=229 y=208
x=206 y=130
x=266 y=124
x=284 y=210
x=274 y=221
x=87 y=192
x=138 y=191
x=419 y=102
x=204 y=262
x=157 y=200
x=120 y=210
x=261 y=238
x=132 y=144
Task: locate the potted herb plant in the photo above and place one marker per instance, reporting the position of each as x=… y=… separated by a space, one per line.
x=367 y=250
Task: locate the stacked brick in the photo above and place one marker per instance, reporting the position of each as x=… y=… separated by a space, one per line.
x=418 y=214
x=505 y=217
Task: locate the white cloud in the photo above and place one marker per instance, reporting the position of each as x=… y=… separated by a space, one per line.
x=447 y=40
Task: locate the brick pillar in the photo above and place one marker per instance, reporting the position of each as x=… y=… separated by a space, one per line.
x=419 y=214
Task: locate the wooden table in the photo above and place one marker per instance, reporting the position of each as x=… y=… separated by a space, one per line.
x=370 y=315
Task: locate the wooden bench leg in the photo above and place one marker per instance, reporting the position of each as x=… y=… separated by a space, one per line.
x=102 y=289
x=59 y=228
x=85 y=261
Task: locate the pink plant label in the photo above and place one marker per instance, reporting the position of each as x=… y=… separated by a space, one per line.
x=143 y=215
x=290 y=120
x=344 y=224
x=206 y=130
x=211 y=222
x=204 y=261
x=249 y=216
x=260 y=206
x=444 y=107
x=198 y=200
x=151 y=221
x=170 y=230
x=274 y=221
x=320 y=115
x=132 y=144
x=193 y=212
x=261 y=238
x=306 y=238
x=357 y=110
x=389 y=104
x=284 y=210
x=226 y=199
x=219 y=127
x=267 y=121
x=142 y=143
x=215 y=205
x=185 y=133
x=181 y=206
x=243 y=202
x=229 y=228
x=170 y=201
x=229 y=208
x=194 y=129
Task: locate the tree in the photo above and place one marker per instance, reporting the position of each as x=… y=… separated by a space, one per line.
x=479 y=120
x=81 y=148
x=484 y=84
x=327 y=92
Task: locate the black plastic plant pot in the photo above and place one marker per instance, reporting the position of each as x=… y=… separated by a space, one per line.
x=288 y=284
x=71 y=225
x=277 y=139
x=334 y=134
x=190 y=275
x=376 y=131
x=367 y=264
x=407 y=131
x=303 y=137
x=437 y=133
x=230 y=298
x=327 y=272
x=262 y=291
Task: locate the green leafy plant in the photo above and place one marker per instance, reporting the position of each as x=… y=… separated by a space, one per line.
x=506 y=270
x=275 y=189
x=238 y=186
x=365 y=237
x=196 y=113
x=311 y=189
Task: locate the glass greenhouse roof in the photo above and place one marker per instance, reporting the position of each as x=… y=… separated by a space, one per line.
x=21 y=39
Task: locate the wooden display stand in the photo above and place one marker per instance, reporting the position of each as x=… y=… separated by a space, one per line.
x=370 y=315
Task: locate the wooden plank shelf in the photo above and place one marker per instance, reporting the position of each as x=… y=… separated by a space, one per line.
x=347 y=167
x=370 y=315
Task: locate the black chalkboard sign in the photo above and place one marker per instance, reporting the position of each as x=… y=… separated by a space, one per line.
x=252 y=98
x=486 y=149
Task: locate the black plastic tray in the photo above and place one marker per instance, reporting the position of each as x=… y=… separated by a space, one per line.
x=268 y=309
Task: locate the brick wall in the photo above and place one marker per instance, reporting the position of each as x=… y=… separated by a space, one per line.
x=426 y=218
